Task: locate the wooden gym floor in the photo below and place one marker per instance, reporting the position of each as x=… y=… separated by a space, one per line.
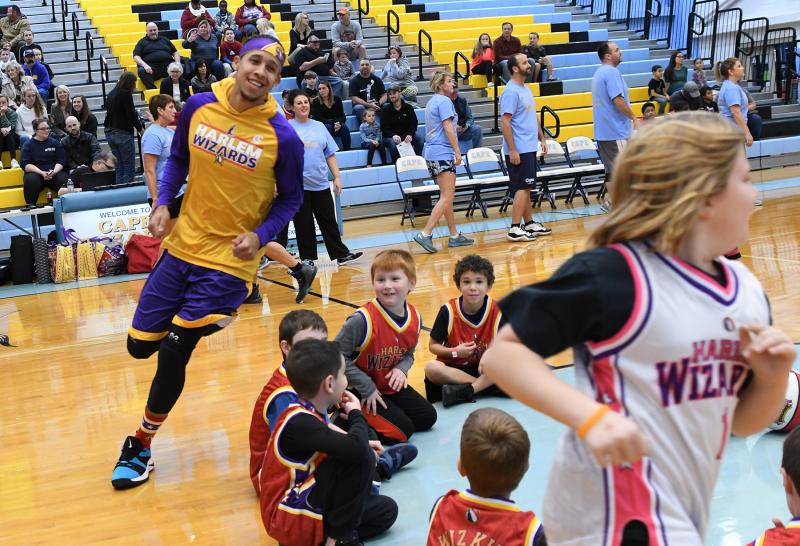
x=69 y=392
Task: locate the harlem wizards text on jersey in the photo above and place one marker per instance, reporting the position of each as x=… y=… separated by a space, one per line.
x=786 y=536
x=466 y=518
x=461 y=330
x=676 y=369
x=385 y=342
x=285 y=486
x=277 y=385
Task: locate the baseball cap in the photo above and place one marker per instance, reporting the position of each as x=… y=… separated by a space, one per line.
x=692 y=90
x=394 y=88
x=343 y=11
x=29 y=52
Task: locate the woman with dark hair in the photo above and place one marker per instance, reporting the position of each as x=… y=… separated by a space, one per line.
x=80 y=109
x=397 y=72
x=676 y=73
x=732 y=100
x=43 y=160
x=329 y=110
x=482 y=56
x=201 y=83
x=248 y=14
x=121 y=122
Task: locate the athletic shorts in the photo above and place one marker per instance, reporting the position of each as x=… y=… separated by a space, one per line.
x=608 y=150
x=439 y=166
x=174 y=208
x=187 y=295
x=522 y=176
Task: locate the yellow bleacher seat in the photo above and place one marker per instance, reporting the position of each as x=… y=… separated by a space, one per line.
x=10 y=178
x=478 y=81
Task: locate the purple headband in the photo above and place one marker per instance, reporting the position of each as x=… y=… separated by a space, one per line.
x=264 y=43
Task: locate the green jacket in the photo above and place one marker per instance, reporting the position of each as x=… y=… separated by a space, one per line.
x=13 y=31
x=9 y=120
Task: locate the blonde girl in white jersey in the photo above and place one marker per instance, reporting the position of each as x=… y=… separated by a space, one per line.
x=673 y=348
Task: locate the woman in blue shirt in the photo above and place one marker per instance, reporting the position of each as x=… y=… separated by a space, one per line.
x=732 y=100
x=443 y=156
x=157 y=141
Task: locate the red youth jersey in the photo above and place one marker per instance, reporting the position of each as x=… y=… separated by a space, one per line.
x=788 y=536
x=385 y=343
x=465 y=518
x=461 y=330
x=259 y=424
x=285 y=486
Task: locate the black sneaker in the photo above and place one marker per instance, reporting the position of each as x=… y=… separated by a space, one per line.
x=457 y=394
x=304 y=279
x=134 y=465
x=353 y=256
x=254 y=296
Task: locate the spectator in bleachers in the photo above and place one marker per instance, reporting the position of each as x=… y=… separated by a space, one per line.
x=299 y=34
x=676 y=73
x=204 y=45
x=248 y=14
x=328 y=109
x=266 y=28
x=32 y=108
x=286 y=108
x=343 y=67
x=40 y=59
x=397 y=72
x=699 y=75
x=366 y=90
x=60 y=110
x=685 y=99
x=709 y=104
x=483 y=56
x=399 y=123
x=352 y=44
x=371 y=138
x=648 y=111
x=312 y=57
x=229 y=49
x=13 y=25
x=465 y=126
x=8 y=135
x=37 y=72
x=536 y=52
x=121 y=122
x=5 y=45
x=27 y=42
x=80 y=147
x=153 y=54
x=5 y=58
x=103 y=162
x=16 y=84
x=657 y=88
x=44 y=162
x=611 y=108
x=225 y=20
x=194 y=14
x=319 y=160
x=157 y=141
x=176 y=86
x=310 y=84
x=443 y=158
x=80 y=109
x=201 y=83
x=504 y=47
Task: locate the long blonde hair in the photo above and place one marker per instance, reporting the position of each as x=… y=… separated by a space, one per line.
x=663 y=177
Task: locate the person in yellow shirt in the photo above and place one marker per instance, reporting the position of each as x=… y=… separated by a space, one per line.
x=237 y=154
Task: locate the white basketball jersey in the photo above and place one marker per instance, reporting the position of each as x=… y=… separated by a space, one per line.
x=676 y=369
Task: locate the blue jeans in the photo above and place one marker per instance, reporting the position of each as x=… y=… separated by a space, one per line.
x=124 y=150
x=754 y=123
x=473 y=133
x=249 y=28
x=343 y=134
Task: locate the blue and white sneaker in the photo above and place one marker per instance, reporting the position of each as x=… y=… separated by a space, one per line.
x=394 y=458
x=134 y=465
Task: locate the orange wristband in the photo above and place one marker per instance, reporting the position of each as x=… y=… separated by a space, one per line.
x=592 y=420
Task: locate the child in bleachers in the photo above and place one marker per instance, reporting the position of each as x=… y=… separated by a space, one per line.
x=699 y=76
x=286 y=108
x=494 y=458
x=343 y=67
x=378 y=343
x=229 y=49
x=788 y=534
x=709 y=104
x=464 y=328
x=316 y=481
x=5 y=58
x=371 y=138
x=657 y=88
x=648 y=111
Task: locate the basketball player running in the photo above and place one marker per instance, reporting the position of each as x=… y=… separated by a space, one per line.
x=237 y=153
x=673 y=352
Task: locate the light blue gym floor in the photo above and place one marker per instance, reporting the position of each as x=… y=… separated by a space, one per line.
x=748 y=495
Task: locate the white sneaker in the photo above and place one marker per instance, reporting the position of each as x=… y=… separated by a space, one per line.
x=537 y=228
x=517 y=234
x=15 y=164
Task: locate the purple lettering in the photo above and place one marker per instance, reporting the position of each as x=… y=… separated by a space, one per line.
x=723 y=379
x=699 y=350
x=671 y=380
x=708 y=372
x=695 y=393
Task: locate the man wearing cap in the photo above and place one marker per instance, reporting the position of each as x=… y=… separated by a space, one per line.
x=466 y=130
x=312 y=58
x=243 y=165
x=354 y=46
x=37 y=71
x=686 y=99
x=153 y=54
x=399 y=123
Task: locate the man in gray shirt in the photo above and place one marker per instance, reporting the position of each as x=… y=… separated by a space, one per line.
x=353 y=43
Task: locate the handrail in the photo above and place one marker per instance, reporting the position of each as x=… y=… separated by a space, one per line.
x=53 y=9
x=334 y=10
x=694 y=15
x=456 y=56
x=64 y=13
x=76 y=30
x=104 y=77
x=421 y=50
x=390 y=30
x=657 y=13
x=739 y=34
x=89 y=54
x=547 y=109
x=362 y=11
x=496 y=105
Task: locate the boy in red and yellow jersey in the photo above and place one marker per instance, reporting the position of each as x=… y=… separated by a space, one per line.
x=494 y=458
x=787 y=534
x=463 y=329
x=378 y=343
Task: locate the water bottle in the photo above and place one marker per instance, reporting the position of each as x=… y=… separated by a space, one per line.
x=49 y=197
x=70 y=185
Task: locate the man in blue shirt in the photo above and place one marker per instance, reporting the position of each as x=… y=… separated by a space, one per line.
x=521 y=136
x=37 y=71
x=611 y=107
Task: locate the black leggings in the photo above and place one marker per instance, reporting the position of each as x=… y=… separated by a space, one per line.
x=319 y=205
x=406 y=412
x=8 y=143
x=371 y=153
x=34 y=183
x=484 y=69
